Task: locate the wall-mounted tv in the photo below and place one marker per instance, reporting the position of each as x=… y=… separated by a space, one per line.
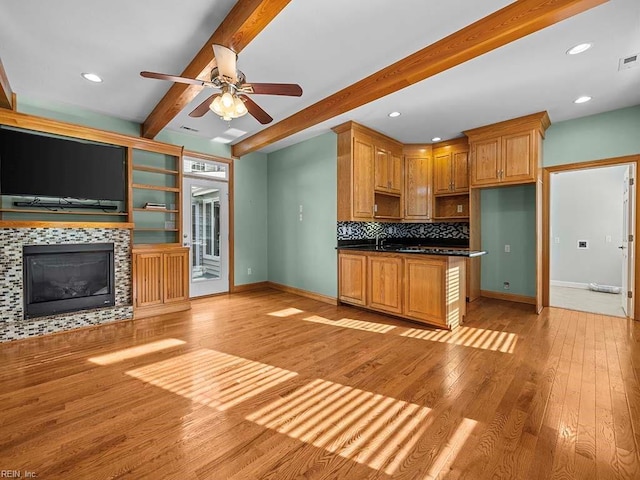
x=38 y=165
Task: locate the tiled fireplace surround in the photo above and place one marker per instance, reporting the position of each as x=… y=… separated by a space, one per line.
x=13 y=326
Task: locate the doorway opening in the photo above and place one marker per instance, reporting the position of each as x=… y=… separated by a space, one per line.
x=591 y=218
x=206 y=225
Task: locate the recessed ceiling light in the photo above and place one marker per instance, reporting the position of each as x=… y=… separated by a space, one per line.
x=583 y=47
x=222 y=140
x=583 y=99
x=394 y=114
x=92 y=77
x=436 y=139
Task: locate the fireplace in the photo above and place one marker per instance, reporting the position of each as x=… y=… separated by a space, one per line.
x=67 y=278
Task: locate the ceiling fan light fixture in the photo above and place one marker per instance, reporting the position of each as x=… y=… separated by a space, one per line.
x=228 y=106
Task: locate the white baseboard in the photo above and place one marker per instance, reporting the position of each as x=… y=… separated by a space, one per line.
x=560 y=283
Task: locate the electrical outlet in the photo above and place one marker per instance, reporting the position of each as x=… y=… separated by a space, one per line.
x=300 y=208
x=506 y=285
x=507 y=249
x=249 y=271
x=459 y=208
x=556 y=239
x=608 y=239
x=300 y=217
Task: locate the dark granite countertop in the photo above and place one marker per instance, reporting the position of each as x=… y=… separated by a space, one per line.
x=446 y=247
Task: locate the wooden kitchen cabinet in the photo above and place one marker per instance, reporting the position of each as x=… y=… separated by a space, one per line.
x=385 y=283
x=370 y=175
x=417 y=183
x=434 y=290
x=352 y=278
x=450 y=167
x=388 y=171
x=160 y=279
x=430 y=289
x=508 y=152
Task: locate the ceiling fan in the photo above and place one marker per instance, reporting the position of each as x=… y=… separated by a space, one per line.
x=232 y=101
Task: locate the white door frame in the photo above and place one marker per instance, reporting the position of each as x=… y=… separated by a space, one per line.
x=634 y=160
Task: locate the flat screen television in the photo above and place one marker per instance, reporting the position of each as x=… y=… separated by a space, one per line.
x=33 y=164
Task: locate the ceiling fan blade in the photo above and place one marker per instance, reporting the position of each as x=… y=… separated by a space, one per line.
x=226 y=61
x=256 y=111
x=289 y=89
x=203 y=108
x=175 y=78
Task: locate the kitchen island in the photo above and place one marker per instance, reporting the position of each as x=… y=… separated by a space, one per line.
x=424 y=284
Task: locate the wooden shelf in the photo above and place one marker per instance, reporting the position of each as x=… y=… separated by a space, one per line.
x=155 y=187
x=463 y=219
x=45 y=211
x=155 y=229
x=166 y=171
x=450 y=194
x=30 y=224
x=136 y=209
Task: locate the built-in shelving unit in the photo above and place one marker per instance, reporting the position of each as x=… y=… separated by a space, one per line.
x=155 y=177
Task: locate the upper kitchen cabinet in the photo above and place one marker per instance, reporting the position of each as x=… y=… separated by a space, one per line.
x=388 y=169
x=450 y=167
x=370 y=175
x=417 y=183
x=508 y=152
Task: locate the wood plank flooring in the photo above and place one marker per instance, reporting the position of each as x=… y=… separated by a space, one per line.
x=269 y=385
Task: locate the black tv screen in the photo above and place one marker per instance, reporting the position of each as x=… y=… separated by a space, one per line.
x=36 y=165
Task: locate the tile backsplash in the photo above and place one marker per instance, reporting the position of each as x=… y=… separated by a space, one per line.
x=369 y=230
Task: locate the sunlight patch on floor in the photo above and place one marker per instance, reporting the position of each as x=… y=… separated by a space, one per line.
x=137 y=351
x=451 y=449
x=212 y=378
x=351 y=323
x=287 y=312
x=368 y=428
x=494 y=340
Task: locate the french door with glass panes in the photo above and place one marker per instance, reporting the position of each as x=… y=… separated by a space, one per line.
x=206 y=232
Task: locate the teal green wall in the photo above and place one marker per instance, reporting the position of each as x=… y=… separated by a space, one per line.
x=71 y=114
x=508 y=213
x=605 y=135
x=302 y=254
x=509 y=218
x=250 y=218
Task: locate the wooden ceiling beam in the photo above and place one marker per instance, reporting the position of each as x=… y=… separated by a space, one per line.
x=243 y=23
x=7 y=97
x=504 y=26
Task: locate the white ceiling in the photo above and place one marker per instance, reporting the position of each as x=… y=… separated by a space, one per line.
x=324 y=45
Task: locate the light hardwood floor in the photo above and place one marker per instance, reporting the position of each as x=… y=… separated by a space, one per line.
x=269 y=385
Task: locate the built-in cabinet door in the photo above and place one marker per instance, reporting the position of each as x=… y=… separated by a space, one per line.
x=352 y=278
x=460 y=171
x=425 y=283
x=385 y=283
x=176 y=276
x=486 y=162
x=395 y=173
x=442 y=173
x=381 y=175
x=517 y=159
x=417 y=181
x=363 y=167
x=148 y=279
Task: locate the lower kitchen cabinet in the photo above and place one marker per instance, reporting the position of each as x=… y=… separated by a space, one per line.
x=428 y=289
x=160 y=280
x=352 y=285
x=385 y=283
x=434 y=290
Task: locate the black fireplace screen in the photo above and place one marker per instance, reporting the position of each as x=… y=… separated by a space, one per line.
x=66 y=278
